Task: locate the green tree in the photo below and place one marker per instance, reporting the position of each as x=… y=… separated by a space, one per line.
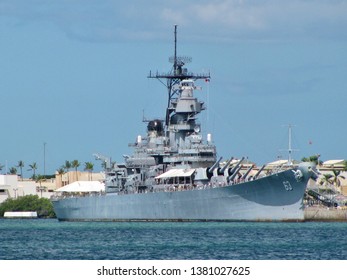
x=42 y=206
x=39 y=179
x=33 y=168
x=13 y=170
x=21 y=166
x=326 y=179
x=67 y=167
x=75 y=164
x=61 y=172
x=314 y=158
x=327 y=182
x=336 y=178
x=88 y=166
x=1 y=166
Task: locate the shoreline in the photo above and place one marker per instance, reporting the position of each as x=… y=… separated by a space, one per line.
x=320 y=214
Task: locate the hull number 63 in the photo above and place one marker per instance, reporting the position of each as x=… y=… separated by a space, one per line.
x=287 y=186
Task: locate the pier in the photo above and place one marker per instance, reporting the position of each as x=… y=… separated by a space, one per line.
x=325 y=214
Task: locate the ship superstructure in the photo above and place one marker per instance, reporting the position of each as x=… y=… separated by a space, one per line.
x=175 y=142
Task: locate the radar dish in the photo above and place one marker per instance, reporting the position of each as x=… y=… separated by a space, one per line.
x=180 y=59
x=197 y=129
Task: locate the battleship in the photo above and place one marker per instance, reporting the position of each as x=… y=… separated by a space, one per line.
x=174 y=173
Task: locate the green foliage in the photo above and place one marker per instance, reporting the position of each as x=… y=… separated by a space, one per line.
x=13 y=171
x=33 y=168
x=75 y=164
x=47 y=177
x=42 y=206
x=314 y=159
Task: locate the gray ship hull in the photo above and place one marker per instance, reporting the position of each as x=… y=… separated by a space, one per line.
x=278 y=197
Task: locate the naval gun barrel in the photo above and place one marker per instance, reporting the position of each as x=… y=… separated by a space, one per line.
x=214 y=166
x=232 y=177
x=247 y=172
x=236 y=166
x=259 y=171
x=221 y=171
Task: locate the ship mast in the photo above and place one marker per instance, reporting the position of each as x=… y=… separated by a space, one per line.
x=290 y=149
x=175 y=76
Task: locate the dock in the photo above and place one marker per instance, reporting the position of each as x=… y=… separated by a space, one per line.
x=20 y=215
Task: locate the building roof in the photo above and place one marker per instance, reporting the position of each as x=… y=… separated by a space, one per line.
x=334 y=162
x=278 y=162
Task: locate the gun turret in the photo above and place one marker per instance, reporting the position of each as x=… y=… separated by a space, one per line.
x=231 y=171
x=214 y=166
x=221 y=171
x=232 y=177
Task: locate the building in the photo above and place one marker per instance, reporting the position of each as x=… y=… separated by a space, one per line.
x=11 y=186
x=62 y=180
x=336 y=168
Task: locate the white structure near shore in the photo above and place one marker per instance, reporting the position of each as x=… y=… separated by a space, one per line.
x=20 y=215
x=12 y=186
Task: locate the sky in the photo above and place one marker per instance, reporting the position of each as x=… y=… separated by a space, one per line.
x=73 y=76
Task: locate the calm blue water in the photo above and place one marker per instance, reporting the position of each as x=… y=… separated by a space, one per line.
x=50 y=239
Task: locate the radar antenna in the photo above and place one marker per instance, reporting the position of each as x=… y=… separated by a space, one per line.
x=177 y=74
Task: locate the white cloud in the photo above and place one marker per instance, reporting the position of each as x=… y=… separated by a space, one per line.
x=231 y=14
x=220 y=19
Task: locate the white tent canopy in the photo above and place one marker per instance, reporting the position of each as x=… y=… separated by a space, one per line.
x=83 y=186
x=176 y=173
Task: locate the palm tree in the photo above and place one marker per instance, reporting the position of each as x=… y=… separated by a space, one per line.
x=21 y=165
x=67 y=167
x=336 y=178
x=325 y=181
x=13 y=170
x=33 y=168
x=61 y=172
x=75 y=164
x=39 y=179
x=88 y=166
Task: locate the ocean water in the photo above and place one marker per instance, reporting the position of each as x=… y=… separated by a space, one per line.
x=53 y=240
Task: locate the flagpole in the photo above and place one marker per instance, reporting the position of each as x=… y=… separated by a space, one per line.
x=208 y=105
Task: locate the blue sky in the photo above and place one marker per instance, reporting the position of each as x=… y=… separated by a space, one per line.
x=73 y=75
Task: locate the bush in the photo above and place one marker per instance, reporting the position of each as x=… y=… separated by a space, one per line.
x=42 y=206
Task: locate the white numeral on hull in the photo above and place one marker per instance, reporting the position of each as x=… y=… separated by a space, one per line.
x=287 y=186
